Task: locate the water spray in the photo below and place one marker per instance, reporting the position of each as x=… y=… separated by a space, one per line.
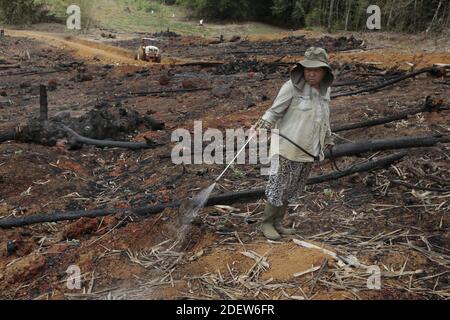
x=200 y=200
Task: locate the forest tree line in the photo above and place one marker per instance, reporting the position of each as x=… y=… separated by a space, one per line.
x=396 y=15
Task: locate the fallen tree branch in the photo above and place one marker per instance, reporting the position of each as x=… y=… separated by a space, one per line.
x=203 y=64
x=8 y=135
x=156 y=92
x=364 y=146
x=360 y=147
x=107 y=143
x=381 y=77
x=29 y=73
x=431 y=70
x=213 y=200
x=101 y=124
x=347 y=83
x=9 y=66
x=429 y=107
x=409 y=185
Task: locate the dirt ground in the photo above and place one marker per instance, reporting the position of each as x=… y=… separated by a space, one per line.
x=404 y=232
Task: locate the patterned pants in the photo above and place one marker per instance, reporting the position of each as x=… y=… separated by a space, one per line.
x=288 y=182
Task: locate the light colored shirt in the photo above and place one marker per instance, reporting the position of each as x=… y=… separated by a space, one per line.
x=304 y=118
x=318 y=115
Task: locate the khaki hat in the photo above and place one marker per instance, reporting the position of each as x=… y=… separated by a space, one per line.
x=316 y=58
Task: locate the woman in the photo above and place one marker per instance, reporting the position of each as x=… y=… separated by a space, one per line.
x=301 y=114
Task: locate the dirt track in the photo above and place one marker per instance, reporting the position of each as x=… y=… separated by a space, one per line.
x=362 y=215
x=105 y=53
x=83 y=49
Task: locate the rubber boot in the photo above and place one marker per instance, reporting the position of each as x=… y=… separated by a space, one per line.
x=278 y=223
x=267 y=228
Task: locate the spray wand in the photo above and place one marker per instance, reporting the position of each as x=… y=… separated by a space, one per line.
x=238 y=153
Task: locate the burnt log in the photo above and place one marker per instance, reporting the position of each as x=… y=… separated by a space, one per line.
x=364 y=146
x=108 y=143
x=430 y=106
x=434 y=71
x=104 y=122
x=8 y=135
x=361 y=147
x=9 y=66
x=156 y=93
x=213 y=200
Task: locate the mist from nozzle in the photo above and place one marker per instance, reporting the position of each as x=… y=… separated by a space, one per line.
x=199 y=201
x=194 y=206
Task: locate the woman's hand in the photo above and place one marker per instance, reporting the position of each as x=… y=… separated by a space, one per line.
x=263 y=125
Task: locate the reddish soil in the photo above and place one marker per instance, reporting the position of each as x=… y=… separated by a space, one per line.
x=39 y=179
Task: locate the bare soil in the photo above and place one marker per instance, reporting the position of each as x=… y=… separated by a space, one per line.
x=398 y=229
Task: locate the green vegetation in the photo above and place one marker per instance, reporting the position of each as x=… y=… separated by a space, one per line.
x=398 y=15
x=59 y=7
x=182 y=16
x=144 y=16
x=20 y=11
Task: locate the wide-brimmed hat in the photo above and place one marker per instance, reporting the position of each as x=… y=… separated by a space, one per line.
x=316 y=58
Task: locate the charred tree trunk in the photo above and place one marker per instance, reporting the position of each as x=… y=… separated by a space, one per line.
x=8 y=136
x=103 y=126
x=109 y=143
x=364 y=146
x=352 y=149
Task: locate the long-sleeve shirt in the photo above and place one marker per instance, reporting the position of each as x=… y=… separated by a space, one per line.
x=300 y=113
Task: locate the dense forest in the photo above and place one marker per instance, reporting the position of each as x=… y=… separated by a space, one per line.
x=396 y=15
x=24 y=12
